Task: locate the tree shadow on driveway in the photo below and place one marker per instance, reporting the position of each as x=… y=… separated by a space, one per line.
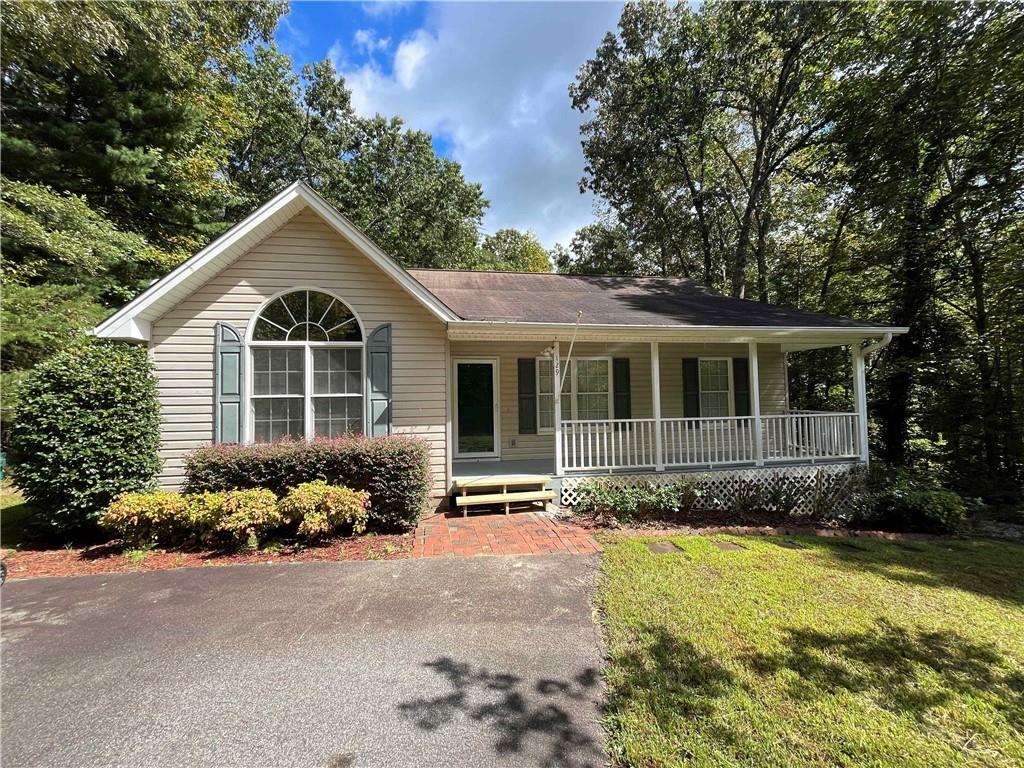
x=535 y=718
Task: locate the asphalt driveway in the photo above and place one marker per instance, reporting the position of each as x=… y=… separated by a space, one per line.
x=475 y=662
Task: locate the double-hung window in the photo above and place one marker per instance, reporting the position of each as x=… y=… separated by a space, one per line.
x=715 y=391
x=586 y=392
x=307 y=369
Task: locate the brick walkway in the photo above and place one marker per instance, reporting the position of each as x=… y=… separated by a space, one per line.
x=521 y=533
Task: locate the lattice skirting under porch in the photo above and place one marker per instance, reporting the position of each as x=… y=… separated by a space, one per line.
x=830 y=485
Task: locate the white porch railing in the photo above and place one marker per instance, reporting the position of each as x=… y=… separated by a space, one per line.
x=633 y=443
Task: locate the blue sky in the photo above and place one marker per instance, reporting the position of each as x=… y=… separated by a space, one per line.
x=489 y=81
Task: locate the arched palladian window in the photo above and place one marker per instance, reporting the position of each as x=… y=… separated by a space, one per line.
x=307 y=368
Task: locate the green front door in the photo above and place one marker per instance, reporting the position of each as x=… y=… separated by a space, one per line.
x=475 y=428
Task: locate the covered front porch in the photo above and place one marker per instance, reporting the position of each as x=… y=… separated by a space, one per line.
x=626 y=405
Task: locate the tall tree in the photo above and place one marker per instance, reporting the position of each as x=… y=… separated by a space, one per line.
x=694 y=116
x=509 y=250
x=929 y=119
x=386 y=178
x=116 y=120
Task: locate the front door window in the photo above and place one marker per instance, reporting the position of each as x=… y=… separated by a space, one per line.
x=475 y=425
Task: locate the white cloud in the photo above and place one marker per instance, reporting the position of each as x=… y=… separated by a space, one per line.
x=493 y=80
x=366 y=40
x=410 y=57
x=386 y=7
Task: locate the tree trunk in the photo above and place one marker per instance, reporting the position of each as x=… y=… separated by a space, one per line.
x=910 y=301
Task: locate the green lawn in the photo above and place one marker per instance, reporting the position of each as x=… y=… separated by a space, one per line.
x=905 y=654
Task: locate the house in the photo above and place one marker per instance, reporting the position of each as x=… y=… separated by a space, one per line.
x=294 y=324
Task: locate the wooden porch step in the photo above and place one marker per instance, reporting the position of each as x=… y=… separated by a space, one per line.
x=501 y=481
x=503 y=498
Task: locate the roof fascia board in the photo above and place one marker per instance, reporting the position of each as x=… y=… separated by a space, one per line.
x=474 y=329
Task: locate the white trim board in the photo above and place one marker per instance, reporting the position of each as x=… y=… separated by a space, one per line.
x=133 y=321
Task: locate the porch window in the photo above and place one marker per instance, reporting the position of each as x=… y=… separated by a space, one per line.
x=307 y=368
x=586 y=393
x=715 y=390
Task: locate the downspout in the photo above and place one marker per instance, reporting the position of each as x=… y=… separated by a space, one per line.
x=870 y=349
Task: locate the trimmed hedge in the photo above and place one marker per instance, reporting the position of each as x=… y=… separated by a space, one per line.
x=86 y=429
x=394 y=471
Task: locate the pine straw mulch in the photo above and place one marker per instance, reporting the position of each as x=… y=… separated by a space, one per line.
x=111 y=557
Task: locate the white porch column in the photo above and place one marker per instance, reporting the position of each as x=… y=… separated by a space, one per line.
x=659 y=454
x=755 y=401
x=556 y=384
x=860 y=400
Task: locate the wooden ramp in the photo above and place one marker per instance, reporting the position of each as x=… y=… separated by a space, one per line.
x=502 y=490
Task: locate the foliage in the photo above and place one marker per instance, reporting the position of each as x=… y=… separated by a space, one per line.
x=395 y=471
x=174 y=519
x=509 y=250
x=845 y=652
x=247 y=516
x=644 y=501
x=901 y=501
x=86 y=430
x=862 y=160
x=142 y=519
x=116 y=124
x=321 y=509
x=384 y=177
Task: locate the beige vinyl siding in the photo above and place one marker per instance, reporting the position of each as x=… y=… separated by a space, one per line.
x=771 y=369
x=304 y=252
x=541 y=446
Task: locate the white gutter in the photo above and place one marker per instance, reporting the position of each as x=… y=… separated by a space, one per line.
x=870 y=349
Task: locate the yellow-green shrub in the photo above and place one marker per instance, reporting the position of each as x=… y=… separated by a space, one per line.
x=321 y=509
x=247 y=516
x=147 y=518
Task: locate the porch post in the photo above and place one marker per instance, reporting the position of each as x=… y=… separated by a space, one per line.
x=556 y=384
x=659 y=456
x=755 y=401
x=860 y=400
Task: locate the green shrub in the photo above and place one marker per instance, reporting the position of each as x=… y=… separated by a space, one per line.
x=394 y=470
x=248 y=516
x=86 y=430
x=900 y=501
x=321 y=509
x=644 y=501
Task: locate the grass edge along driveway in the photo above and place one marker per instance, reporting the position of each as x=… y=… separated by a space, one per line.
x=845 y=652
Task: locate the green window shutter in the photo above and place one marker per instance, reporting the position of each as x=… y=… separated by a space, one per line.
x=527 y=396
x=620 y=384
x=378 y=375
x=741 y=385
x=227 y=386
x=691 y=388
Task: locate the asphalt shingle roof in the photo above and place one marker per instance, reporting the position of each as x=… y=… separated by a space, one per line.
x=554 y=298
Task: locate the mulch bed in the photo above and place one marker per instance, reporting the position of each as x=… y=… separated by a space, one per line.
x=109 y=557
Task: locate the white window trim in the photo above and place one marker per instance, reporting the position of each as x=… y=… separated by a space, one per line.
x=570 y=389
x=308 y=346
x=732 y=386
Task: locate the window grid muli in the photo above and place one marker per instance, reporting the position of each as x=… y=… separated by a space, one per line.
x=586 y=393
x=307 y=369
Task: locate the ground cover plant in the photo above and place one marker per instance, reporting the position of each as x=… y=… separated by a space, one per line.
x=814 y=652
